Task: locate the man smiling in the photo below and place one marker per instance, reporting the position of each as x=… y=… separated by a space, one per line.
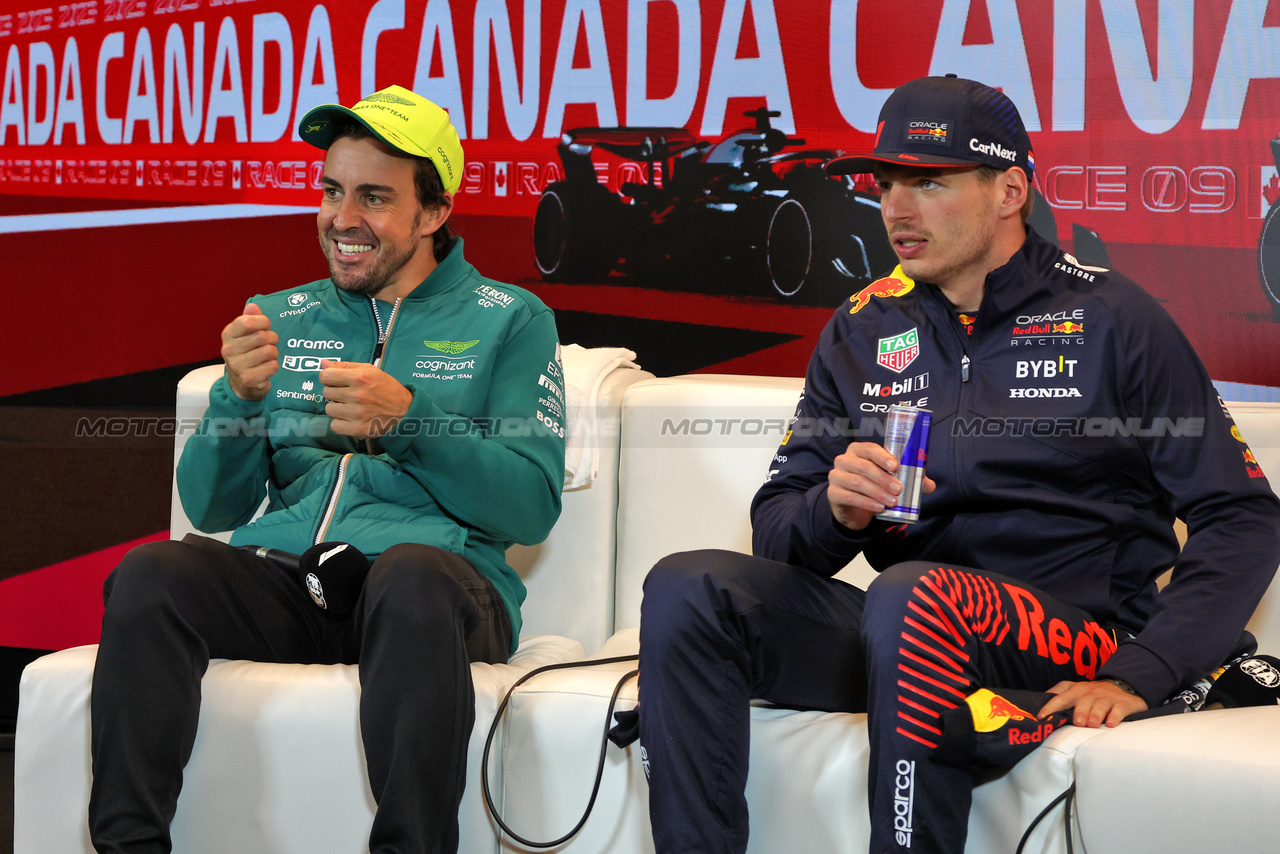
x=1034 y=561
x=399 y=406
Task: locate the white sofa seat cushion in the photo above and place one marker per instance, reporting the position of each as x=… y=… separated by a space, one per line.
x=1200 y=782
x=277 y=766
x=807 y=787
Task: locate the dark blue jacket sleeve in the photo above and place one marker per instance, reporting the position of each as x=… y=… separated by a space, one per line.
x=1232 y=514
x=790 y=515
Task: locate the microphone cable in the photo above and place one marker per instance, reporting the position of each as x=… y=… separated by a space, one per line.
x=1068 y=796
x=604 y=744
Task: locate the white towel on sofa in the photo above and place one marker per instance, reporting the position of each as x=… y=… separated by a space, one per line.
x=584 y=371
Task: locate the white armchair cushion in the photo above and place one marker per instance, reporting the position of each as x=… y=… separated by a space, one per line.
x=277 y=768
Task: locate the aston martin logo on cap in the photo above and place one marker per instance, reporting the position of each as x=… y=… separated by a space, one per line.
x=403 y=120
x=389 y=98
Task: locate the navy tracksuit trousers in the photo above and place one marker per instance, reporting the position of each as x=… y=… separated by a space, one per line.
x=424 y=615
x=720 y=628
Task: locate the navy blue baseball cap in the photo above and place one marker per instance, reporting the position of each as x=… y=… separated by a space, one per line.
x=945 y=121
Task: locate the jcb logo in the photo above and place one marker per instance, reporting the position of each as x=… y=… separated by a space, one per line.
x=303 y=364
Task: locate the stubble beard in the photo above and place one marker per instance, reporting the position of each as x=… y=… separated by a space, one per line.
x=391 y=257
x=972 y=245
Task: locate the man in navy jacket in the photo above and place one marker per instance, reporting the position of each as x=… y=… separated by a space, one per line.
x=1072 y=422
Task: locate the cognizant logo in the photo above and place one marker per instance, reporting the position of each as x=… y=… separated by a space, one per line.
x=904 y=799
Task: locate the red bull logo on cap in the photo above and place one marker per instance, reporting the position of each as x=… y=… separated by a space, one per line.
x=895 y=284
x=924 y=131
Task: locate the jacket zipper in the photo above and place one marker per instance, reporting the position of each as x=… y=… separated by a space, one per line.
x=966 y=369
x=333 y=500
x=383 y=334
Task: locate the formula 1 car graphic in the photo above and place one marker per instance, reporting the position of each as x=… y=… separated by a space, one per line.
x=1269 y=246
x=752 y=213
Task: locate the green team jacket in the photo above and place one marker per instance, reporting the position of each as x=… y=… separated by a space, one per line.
x=475 y=465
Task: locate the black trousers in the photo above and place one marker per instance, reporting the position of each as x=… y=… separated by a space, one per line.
x=424 y=616
x=720 y=628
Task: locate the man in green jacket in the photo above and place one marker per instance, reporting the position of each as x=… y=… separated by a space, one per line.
x=407 y=406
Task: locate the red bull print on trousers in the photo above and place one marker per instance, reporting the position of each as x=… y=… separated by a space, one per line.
x=934 y=635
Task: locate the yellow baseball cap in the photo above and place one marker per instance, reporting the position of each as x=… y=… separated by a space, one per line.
x=403 y=120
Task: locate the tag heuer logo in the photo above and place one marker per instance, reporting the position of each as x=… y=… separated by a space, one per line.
x=453 y=348
x=898 y=351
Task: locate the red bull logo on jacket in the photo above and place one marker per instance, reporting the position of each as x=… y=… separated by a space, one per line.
x=895 y=284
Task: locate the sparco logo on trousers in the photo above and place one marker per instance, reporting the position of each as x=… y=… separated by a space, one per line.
x=904 y=801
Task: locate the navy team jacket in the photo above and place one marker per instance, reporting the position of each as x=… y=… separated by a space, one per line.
x=1072 y=421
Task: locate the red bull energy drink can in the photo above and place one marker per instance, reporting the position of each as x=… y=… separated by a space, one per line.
x=906 y=436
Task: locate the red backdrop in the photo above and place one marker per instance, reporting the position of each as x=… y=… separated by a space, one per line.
x=1152 y=122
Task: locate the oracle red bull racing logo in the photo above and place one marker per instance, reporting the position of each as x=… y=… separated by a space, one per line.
x=1058 y=328
x=922 y=131
x=895 y=284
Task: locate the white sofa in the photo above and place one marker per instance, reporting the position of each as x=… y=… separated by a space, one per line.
x=277 y=766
